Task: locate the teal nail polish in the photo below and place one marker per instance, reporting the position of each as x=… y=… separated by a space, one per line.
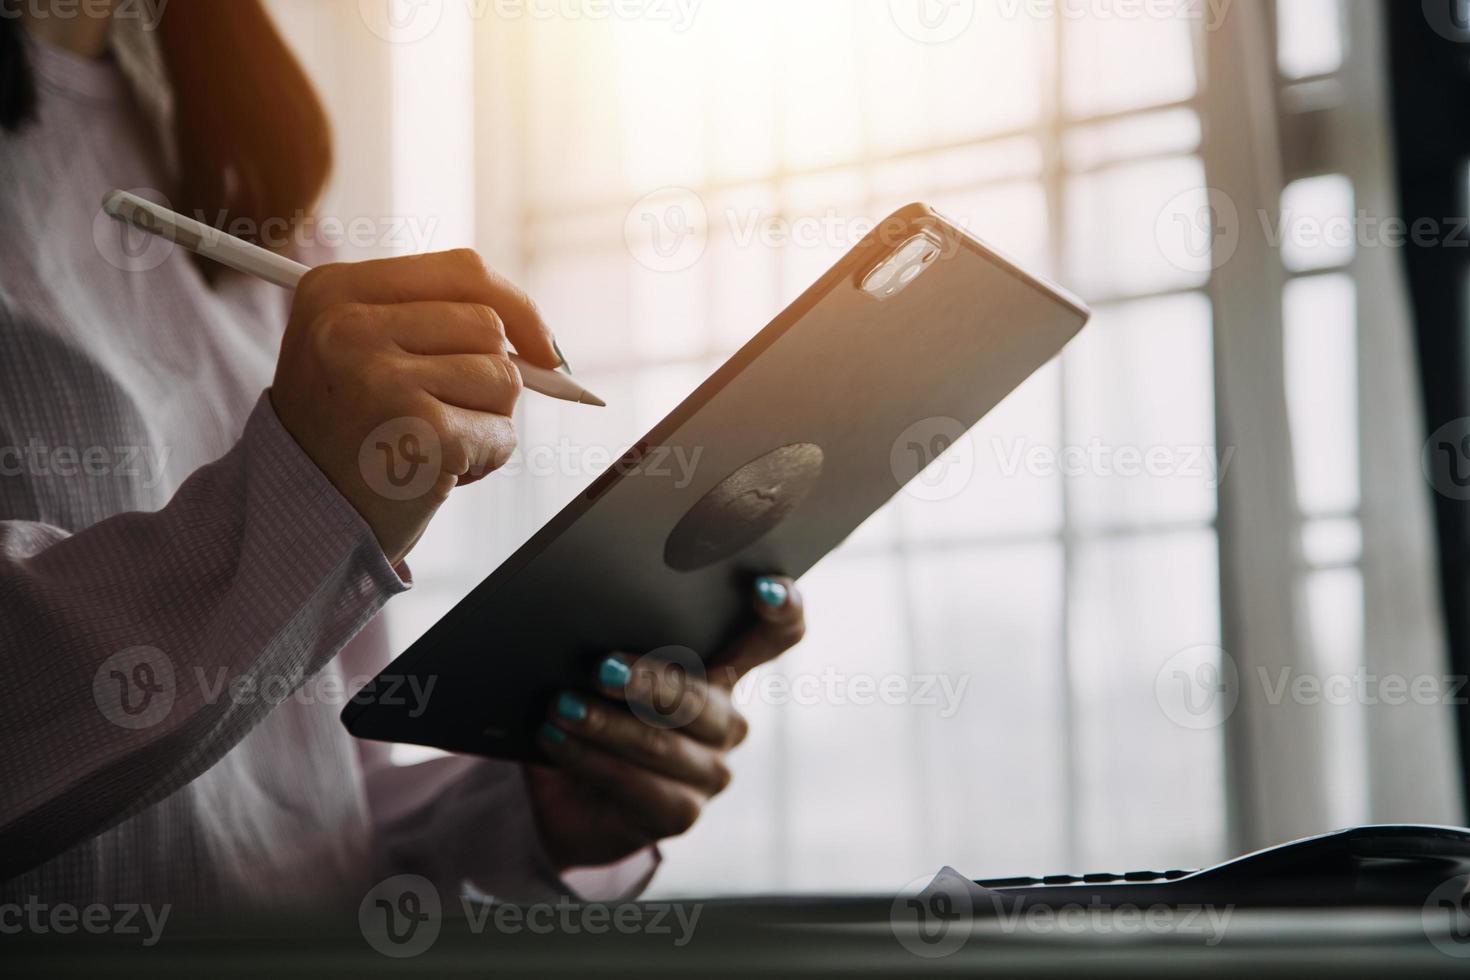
x=571 y=707
x=771 y=592
x=565 y=365
x=553 y=734
x=613 y=673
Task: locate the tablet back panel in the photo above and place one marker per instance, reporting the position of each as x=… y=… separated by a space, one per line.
x=839 y=400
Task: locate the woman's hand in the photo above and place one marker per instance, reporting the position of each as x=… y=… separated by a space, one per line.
x=394 y=378
x=638 y=763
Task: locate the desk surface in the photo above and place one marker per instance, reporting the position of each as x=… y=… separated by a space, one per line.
x=785 y=938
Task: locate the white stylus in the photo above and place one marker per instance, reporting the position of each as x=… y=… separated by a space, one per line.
x=253 y=260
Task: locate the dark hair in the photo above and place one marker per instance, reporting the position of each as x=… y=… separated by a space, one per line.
x=252 y=137
x=17 y=84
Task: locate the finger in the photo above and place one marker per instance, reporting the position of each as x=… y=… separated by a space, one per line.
x=662 y=806
x=460 y=276
x=611 y=727
x=676 y=694
x=480 y=382
x=444 y=328
x=781 y=623
x=474 y=444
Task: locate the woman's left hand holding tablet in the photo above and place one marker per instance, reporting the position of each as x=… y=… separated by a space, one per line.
x=637 y=763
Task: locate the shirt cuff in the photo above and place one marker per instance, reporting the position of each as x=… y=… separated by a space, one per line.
x=620 y=882
x=468 y=825
x=323 y=523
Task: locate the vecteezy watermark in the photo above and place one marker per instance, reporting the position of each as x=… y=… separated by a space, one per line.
x=932 y=21
x=401 y=21
x=407 y=234
x=830 y=230
x=1360 y=686
x=1450 y=19
x=411 y=21
x=148 y=12
x=1199 y=688
x=329 y=688
x=1446 y=459
x=1093 y=918
x=402 y=459
x=403 y=916
x=679 y=677
x=836 y=688
x=133 y=250
x=933 y=459
x=127 y=248
x=41 y=918
x=936 y=459
x=147 y=466
x=673 y=920
x=1445 y=917
x=672 y=228
x=1198 y=230
x=564 y=458
x=936 y=918
x=933 y=918
x=668 y=230
x=676 y=679
x=1305 y=233
x=1205 y=464
x=135 y=688
x=1210 y=14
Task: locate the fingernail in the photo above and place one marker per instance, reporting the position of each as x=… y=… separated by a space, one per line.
x=613 y=673
x=771 y=592
x=553 y=734
x=557 y=347
x=571 y=707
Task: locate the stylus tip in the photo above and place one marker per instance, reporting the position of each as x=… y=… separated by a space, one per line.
x=588 y=398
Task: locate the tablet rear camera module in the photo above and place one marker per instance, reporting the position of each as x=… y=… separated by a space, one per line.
x=898 y=270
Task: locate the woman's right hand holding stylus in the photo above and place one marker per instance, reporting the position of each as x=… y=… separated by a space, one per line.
x=396 y=364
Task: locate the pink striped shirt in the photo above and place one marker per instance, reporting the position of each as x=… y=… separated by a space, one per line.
x=184 y=599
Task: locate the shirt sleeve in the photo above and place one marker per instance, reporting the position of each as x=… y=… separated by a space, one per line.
x=463 y=820
x=120 y=644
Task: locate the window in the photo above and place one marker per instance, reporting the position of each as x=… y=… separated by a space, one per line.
x=1320 y=230
x=663 y=189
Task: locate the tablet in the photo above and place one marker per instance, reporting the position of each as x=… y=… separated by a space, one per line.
x=815 y=424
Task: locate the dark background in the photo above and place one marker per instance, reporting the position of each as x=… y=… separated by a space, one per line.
x=1431 y=103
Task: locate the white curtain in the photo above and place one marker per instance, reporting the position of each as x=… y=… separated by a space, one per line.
x=1283 y=751
x=1412 y=760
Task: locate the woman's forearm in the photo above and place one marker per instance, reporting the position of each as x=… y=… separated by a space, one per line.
x=124 y=648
